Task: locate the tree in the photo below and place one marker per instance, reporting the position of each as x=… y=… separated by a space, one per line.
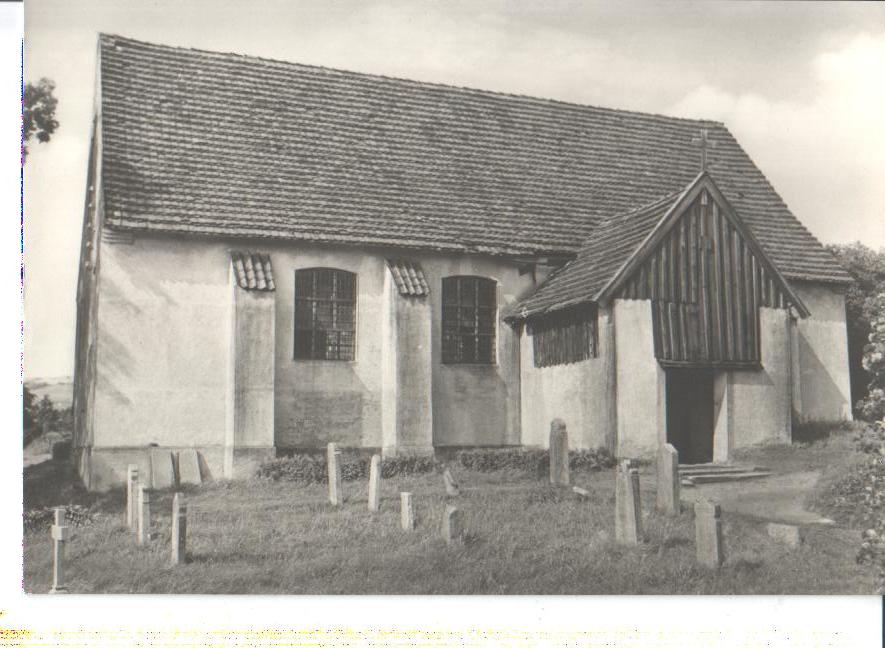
x=46 y=414
x=30 y=414
x=872 y=406
x=38 y=113
x=867 y=268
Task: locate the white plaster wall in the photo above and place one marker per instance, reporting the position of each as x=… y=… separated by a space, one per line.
x=164 y=351
x=162 y=344
x=641 y=382
x=759 y=402
x=477 y=404
x=580 y=393
x=823 y=382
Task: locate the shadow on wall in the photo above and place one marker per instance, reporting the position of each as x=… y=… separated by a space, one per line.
x=470 y=406
x=322 y=402
x=822 y=400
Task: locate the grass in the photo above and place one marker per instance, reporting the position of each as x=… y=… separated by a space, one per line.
x=524 y=537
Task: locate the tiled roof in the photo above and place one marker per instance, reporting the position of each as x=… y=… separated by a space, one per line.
x=252 y=271
x=607 y=249
x=227 y=145
x=408 y=277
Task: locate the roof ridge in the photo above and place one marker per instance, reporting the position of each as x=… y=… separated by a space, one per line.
x=415 y=82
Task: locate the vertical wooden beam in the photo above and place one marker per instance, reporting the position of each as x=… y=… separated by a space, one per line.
x=693 y=255
x=665 y=277
x=716 y=286
x=684 y=354
x=749 y=309
x=704 y=288
x=740 y=307
x=727 y=286
x=672 y=332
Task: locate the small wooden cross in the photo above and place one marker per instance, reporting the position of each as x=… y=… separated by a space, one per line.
x=703 y=142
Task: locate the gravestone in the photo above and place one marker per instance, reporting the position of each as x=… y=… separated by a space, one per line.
x=628 y=510
x=333 y=467
x=60 y=533
x=189 y=468
x=452 y=489
x=668 y=480
x=132 y=497
x=559 y=473
x=708 y=534
x=407 y=512
x=375 y=483
x=452 y=525
x=144 y=515
x=162 y=470
x=789 y=534
x=179 y=529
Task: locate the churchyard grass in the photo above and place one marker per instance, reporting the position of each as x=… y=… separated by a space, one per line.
x=523 y=536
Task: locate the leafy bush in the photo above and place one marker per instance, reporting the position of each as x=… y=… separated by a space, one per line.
x=872 y=406
x=531 y=460
x=858 y=499
x=311 y=468
x=42 y=518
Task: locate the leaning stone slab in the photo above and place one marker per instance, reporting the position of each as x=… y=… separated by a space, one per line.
x=132 y=497
x=375 y=484
x=559 y=473
x=789 y=534
x=189 y=468
x=452 y=525
x=708 y=534
x=162 y=470
x=333 y=467
x=628 y=510
x=407 y=512
x=452 y=489
x=668 y=480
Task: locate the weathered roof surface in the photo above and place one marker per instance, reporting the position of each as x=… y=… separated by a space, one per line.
x=408 y=277
x=608 y=248
x=252 y=271
x=221 y=144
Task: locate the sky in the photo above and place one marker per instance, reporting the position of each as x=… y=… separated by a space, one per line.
x=801 y=86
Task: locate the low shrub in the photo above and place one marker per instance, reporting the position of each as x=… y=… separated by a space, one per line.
x=531 y=460
x=858 y=499
x=42 y=518
x=311 y=469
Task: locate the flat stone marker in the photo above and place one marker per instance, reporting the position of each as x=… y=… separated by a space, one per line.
x=333 y=466
x=559 y=473
x=179 y=529
x=452 y=525
x=60 y=533
x=162 y=471
x=452 y=489
x=375 y=483
x=789 y=534
x=132 y=497
x=628 y=511
x=144 y=515
x=189 y=468
x=668 y=480
x=708 y=534
x=407 y=512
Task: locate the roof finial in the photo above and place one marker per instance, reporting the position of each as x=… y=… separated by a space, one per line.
x=703 y=142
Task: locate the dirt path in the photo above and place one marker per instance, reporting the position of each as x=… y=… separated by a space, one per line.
x=779 y=498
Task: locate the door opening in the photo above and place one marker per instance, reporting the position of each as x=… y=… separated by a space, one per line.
x=690 y=417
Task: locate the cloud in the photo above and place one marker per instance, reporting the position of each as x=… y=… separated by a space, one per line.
x=826 y=155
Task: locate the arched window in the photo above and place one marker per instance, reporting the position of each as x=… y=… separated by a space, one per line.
x=325 y=314
x=469 y=317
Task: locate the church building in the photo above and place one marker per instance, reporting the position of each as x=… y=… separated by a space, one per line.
x=276 y=256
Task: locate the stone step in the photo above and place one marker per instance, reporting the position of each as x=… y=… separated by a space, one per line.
x=694 y=480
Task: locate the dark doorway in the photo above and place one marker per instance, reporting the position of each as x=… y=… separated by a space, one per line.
x=690 y=414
